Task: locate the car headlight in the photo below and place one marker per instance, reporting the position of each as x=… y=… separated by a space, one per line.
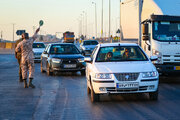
x=81 y=59
x=55 y=60
x=103 y=76
x=149 y=74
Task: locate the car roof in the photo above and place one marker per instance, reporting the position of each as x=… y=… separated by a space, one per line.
x=90 y=40
x=117 y=44
x=61 y=44
x=38 y=42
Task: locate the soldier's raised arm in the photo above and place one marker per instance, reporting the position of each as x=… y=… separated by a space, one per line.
x=35 y=34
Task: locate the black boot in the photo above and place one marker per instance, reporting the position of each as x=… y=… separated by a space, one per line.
x=30 y=83
x=20 y=79
x=25 y=83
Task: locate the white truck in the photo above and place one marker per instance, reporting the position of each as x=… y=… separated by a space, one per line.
x=159 y=21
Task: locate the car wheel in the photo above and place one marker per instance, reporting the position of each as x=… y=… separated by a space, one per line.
x=83 y=72
x=94 y=97
x=153 y=95
x=42 y=68
x=88 y=90
x=49 y=73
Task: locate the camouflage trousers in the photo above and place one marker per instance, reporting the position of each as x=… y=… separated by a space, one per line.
x=27 y=65
x=19 y=62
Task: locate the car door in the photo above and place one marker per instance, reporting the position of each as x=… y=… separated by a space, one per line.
x=45 y=56
x=89 y=66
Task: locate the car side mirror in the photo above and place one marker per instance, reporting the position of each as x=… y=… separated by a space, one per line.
x=88 y=59
x=45 y=52
x=153 y=58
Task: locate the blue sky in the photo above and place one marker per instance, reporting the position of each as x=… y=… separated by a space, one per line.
x=58 y=15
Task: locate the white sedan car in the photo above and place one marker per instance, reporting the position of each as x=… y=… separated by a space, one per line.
x=116 y=68
x=38 y=49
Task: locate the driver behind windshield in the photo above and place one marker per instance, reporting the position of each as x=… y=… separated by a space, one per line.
x=109 y=56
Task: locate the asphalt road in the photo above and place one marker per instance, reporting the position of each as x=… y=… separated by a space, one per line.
x=64 y=97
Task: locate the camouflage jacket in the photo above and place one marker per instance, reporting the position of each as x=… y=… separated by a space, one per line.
x=25 y=47
x=18 y=54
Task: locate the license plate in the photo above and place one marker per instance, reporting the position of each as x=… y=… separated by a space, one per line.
x=128 y=85
x=70 y=66
x=177 y=68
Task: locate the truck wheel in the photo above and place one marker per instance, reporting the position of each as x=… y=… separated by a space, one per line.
x=153 y=95
x=94 y=97
x=42 y=68
x=49 y=73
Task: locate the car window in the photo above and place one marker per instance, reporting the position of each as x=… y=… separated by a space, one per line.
x=64 y=49
x=120 y=53
x=38 y=45
x=90 y=42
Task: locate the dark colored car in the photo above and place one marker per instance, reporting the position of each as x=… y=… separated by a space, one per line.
x=62 y=57
x=87 y=46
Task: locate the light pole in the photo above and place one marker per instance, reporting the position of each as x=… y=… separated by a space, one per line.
x=82 y=24
x=120 y=24
x=95 y=18
x=85 y=23
x=13 y=31
x=102 y=21
x=109 y=18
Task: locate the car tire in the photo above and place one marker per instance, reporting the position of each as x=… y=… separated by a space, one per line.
x=88 y=90
x=42 y=68
x=94 y=97
x=83 y=72
x=48 y=71
x=153 y=95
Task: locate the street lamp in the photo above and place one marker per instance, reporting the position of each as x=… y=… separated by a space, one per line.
x=109 y=18
x=85 y=22
x=95 y=18
x=102 y=21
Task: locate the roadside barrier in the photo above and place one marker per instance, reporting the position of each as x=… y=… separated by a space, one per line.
x=7 y=45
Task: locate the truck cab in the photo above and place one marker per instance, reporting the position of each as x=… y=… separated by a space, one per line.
x=161 y=37
x=156 y=25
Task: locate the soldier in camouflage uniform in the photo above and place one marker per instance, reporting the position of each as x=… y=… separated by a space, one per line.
x=18 y=57
x=27 y=57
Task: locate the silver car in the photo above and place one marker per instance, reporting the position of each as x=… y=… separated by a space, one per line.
x=87 y=46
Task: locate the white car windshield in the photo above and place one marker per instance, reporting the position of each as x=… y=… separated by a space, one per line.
x=38 y=45
x=120 y=53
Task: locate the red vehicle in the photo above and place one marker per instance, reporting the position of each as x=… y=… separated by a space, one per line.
x=68 y=37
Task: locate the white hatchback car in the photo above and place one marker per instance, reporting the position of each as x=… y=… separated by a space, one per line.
x=121 y=68
x=38 y=49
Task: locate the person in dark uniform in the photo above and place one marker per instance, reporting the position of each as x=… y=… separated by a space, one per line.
x=18 y=57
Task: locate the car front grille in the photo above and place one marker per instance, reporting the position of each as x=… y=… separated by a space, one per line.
x=37 y=53
x=69 y=61
x=126 y=76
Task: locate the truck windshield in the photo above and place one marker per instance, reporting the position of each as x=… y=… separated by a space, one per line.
x=166 y=31
x=120 y=53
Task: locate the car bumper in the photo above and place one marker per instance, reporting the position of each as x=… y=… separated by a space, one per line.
x=59 y=67
x=111 y=87
x=87 y=52
x=168 y=68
